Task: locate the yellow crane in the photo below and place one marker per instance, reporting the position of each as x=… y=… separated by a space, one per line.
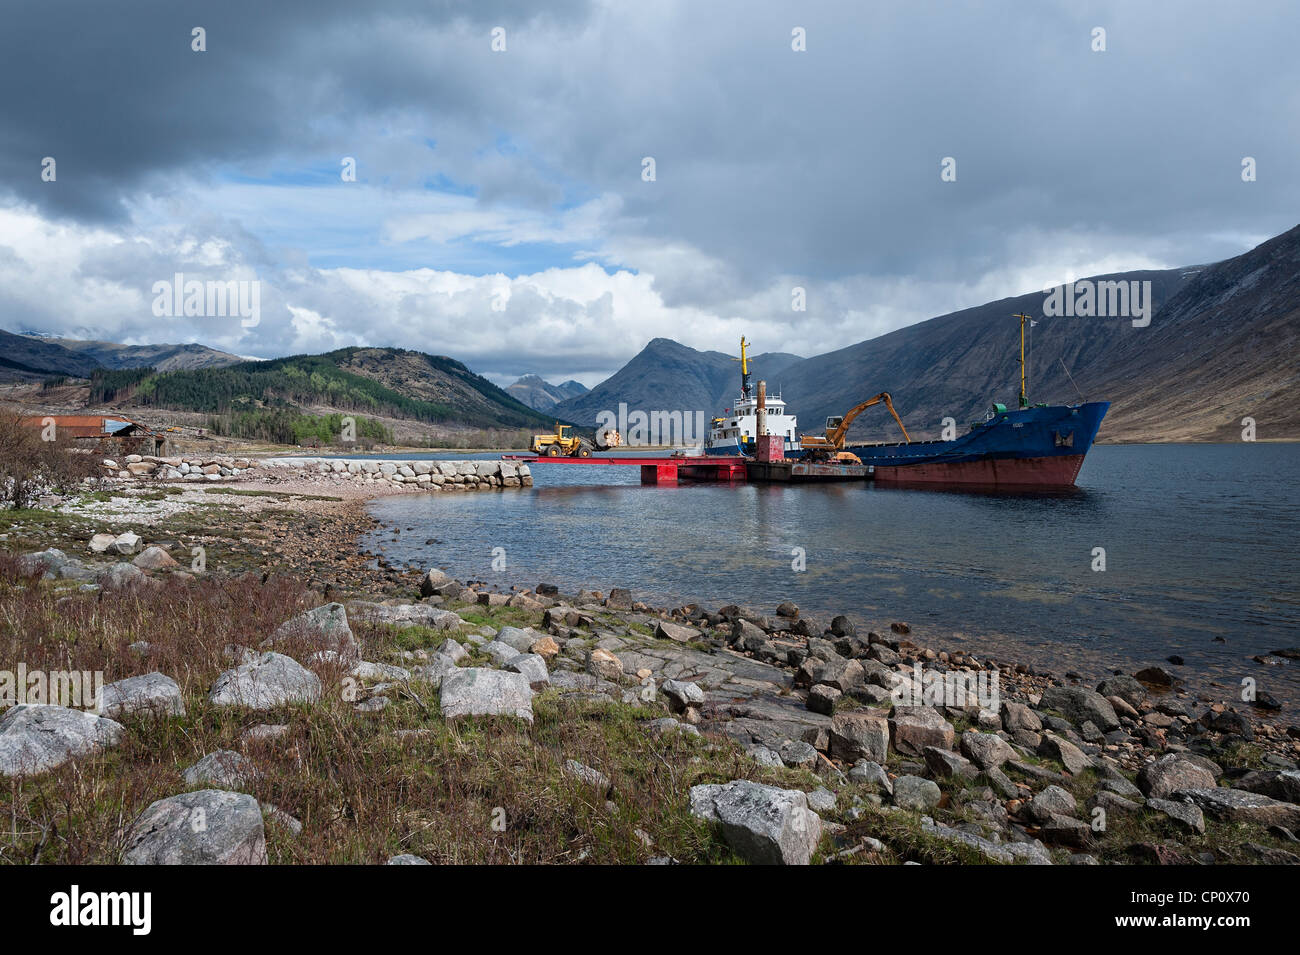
x=837 y=427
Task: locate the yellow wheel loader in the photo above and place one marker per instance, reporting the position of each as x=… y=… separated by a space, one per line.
x=561 y=443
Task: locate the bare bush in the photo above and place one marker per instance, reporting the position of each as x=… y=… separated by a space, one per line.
x=30 y=466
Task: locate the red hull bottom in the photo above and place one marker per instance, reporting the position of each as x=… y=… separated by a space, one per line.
x=1056 y=471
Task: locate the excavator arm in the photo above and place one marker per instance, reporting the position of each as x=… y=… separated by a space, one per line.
x=838 y=428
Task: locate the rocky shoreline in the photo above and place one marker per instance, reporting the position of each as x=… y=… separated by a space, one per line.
x=849 y=746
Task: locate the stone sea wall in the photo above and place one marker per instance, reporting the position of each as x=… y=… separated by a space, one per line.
x=412 y=475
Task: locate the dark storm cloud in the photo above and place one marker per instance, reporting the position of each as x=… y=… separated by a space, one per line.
x=773 y=166
x=114 y=92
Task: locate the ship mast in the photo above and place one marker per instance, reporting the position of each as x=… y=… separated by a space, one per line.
x=1024 y=398
x=744 y=367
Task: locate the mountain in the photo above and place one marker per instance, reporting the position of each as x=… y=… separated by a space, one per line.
x=30 y=357
x=956 y=365
x=669 y=376
x=1225 y=347
x=541 y=395
x=1223 y=344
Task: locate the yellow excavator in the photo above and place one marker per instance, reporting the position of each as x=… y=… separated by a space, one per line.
x=831 y=445
x=562 y=443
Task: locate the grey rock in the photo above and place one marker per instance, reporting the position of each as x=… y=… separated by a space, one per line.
x=945 y=764
x=1125 y=687
x=154 y=558
x=1237 y=805
x=682 y=694
x=477 y=691
x=152 y=693
x=585 y=774
x=913 y=728
x=324 y=628
x=272 y=680
x=223 y=769
x=1171 y=773
x=672 y=631
x=763 y=824
x=1052 y=801
x=865 y=772
x=1187 y=815
x=370 y=672
x=797 y=754
x=1080 y=704
x=986 y=750
x=854 y=736
x=120 y=576
x=207 y=827
x=1065 y=752
x=407 y=859
x=916 y=792
x=533 y=667
x=522 y=640
x=35 y=738
x=500 y=652
x=821 y=800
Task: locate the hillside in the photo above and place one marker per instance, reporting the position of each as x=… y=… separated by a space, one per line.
x=34 y=357
x=541 y=395
x=669 y=376
x=1223 y=344
x=1227 y=346
x=387 y=383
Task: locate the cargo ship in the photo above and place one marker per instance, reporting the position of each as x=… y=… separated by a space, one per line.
x=1031 y=446
x=1042 y=445
x=735 y=432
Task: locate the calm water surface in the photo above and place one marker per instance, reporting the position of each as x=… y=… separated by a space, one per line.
x=1200 y=542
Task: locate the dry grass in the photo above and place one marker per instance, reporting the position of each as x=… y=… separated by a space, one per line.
x=362 y=791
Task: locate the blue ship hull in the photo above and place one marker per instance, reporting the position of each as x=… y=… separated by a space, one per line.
x=1040 y=446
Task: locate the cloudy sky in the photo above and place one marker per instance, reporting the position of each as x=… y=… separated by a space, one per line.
x=501 y=214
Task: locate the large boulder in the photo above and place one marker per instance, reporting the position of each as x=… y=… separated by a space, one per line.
x=38 y=737
x=433 y=579
x=1064 y=752
x=324 y=628
x=676 y=632
x=154 y=558
x=1080 y=705
x=915 y=727
x=1237 y=805
x=855 y=736
x=125 y=544
x=531 y=666
x=153 y=693
x=53 y=564
x=405 y=615
x=120 y=576
x=762 y=824
x=208 y=827
x=1125 y=687
x=269 y=681
x=916 y=792
x=986 y=750
x=477 y=691
x=519 y=639
x=1168 y=774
